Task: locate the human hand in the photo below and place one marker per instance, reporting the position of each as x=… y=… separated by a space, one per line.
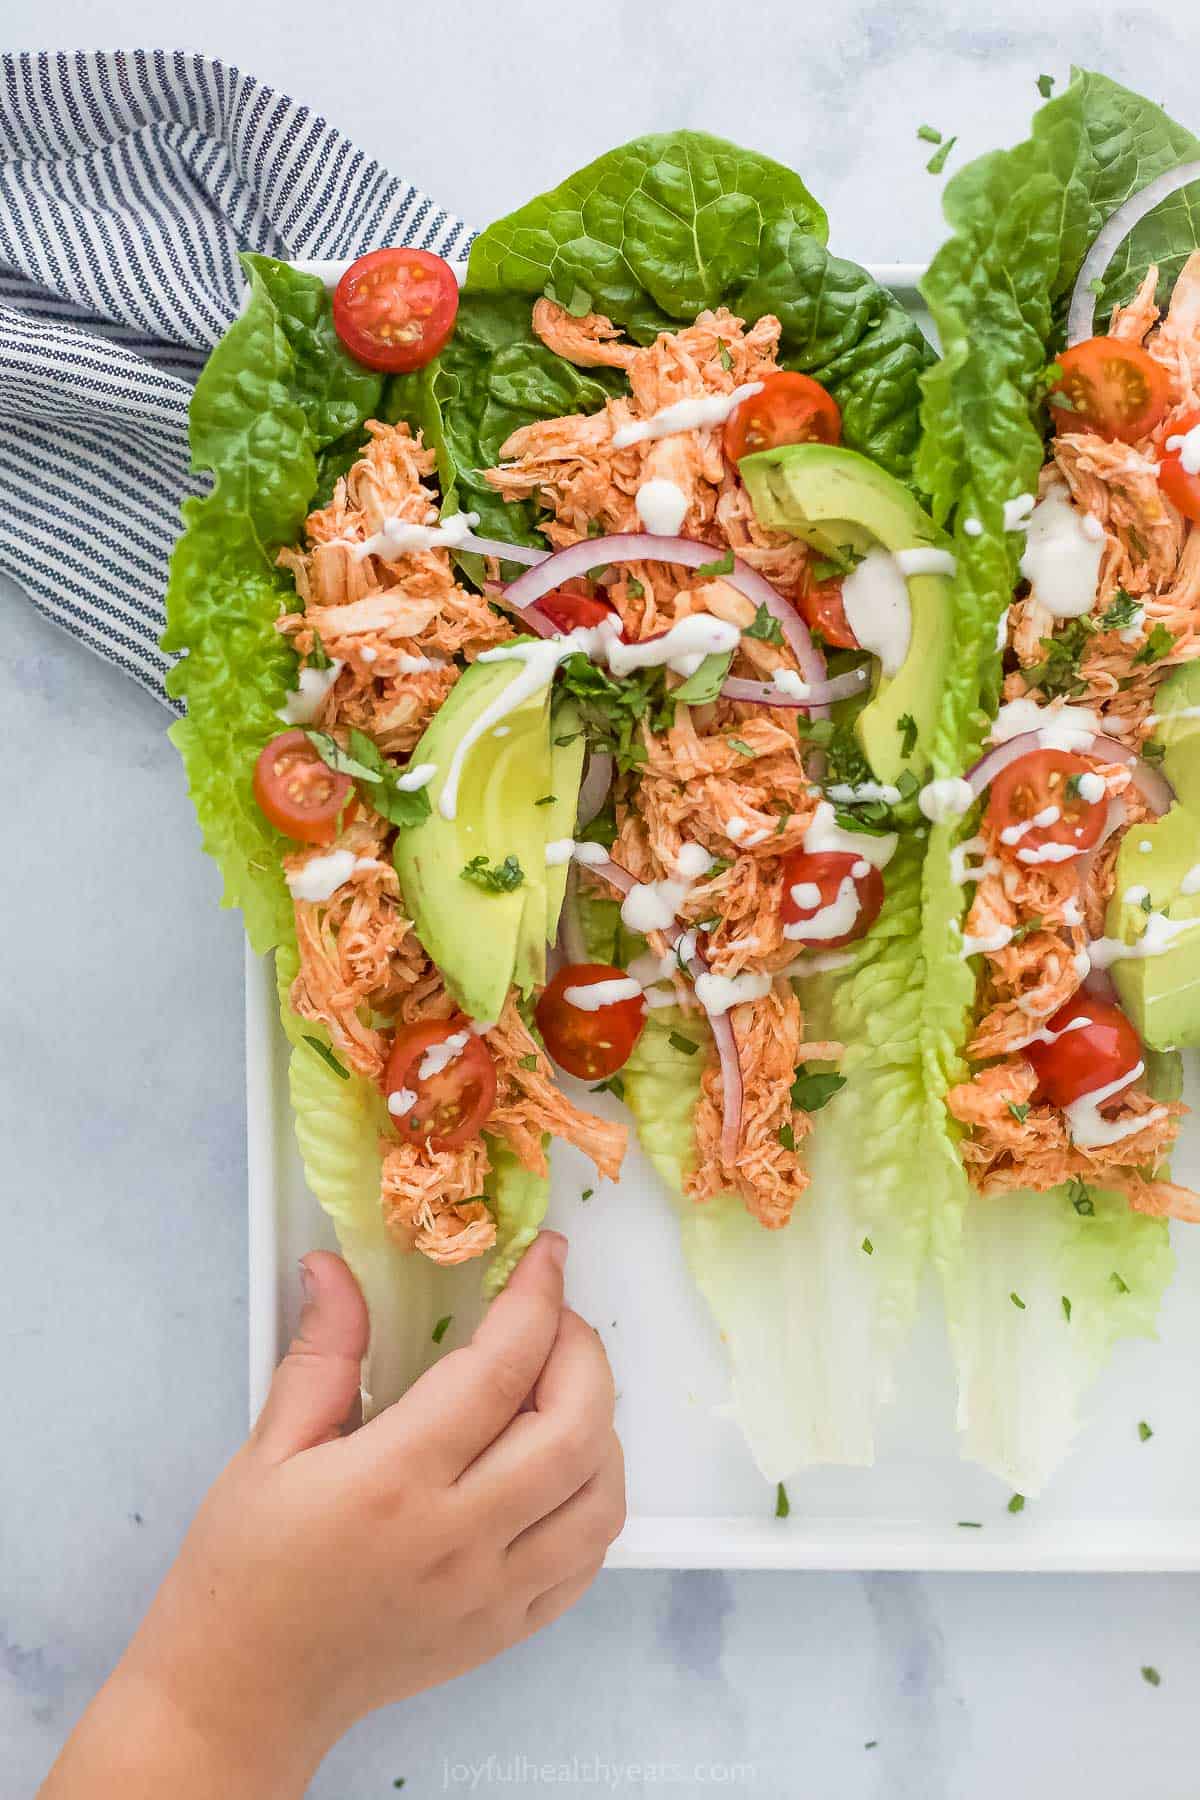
x=326 y=1575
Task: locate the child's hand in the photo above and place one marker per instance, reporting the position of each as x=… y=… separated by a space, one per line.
x=326 y=1575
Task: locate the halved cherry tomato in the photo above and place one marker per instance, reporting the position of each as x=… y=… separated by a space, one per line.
x=590 y=1044
x=297 y=792
x=1112 y=387
x=1087 y=1057
x=450 y=1101
x=1044 y=786
x=567 y=611
x=790 y=409
x=1181 y=489
x=822 y=873
x=822 y=610
x=394 y=309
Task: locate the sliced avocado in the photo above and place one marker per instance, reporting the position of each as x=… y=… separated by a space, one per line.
x=841 y=503
x=482 y=941
x=566 y=766
x=1161 y=993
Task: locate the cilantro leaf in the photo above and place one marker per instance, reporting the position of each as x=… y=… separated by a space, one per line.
x=937 y=161
x=1017 y=1302
x=687 y=1045
x=1045 y=86
x=1079 y=1197
x=1144 y=1431
x=326 y=1055
x=441 y=1328
x=723 y=353
x=906 y=725
x=1019 y=1110
x=783 y=1505
x=929 y=133
x=493 y=878
x=339 y=760
x=1017 y=1503
x=399 y=806
x=765 y=627
x=812 y=1089
x=1120 y=612
x=722 y=566
x=1160 y=643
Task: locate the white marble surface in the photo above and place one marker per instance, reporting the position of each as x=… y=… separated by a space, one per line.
x=122 y=1284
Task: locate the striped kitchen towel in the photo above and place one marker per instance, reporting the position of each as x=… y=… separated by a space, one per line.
x=128 y=183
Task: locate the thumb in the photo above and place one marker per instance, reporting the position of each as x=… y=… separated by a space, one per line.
x=317 y=1382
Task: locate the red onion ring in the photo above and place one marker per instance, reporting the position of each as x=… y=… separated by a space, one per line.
x=1081 y=319
x=593 y=789
x=633 y=546
x=1153 y=786
x=530 y=617
x=821 y=693
x=722 y=1030
x=519 y=553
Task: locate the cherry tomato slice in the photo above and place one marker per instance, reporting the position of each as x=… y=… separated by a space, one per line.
x=567 y=611
x=790 y=409
x=301 y=797
x=394 y=309
x=1044 y=787
x=1181 y=489
x=449 y=1102
x=814 y=880
x=1112 y=387
x=1088 y=1056
x=591 y=1044
x=822 y=610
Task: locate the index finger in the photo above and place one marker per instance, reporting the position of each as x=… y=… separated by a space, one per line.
x=465 y=1401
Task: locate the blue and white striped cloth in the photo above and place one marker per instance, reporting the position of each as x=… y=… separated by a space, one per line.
x=128 y=183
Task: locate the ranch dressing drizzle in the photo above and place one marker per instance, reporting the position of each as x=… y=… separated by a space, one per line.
x=591 y=997
x=1156 y=940
x=685 y=415
x=1062 y=556
x=1059 y=727
x=661 y=506
x=399 y=537
x=321 y=876
x=312 y=685
x=831 y=921
x=1187 y=444
x=826 y=834
x=717 y=993
x=925 y=559
x=1091 y=1131
x=875 y=598
x=440 y=1056
x=1044 y=1035
x=947 y=798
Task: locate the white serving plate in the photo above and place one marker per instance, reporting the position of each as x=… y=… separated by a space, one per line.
x=696 y=1499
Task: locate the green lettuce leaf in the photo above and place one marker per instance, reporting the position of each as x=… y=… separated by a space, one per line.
x=1022 y=221
x=518 y=1199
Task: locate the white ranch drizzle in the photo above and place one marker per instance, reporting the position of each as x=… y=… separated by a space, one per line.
x=418 y=775
x=947 y=798
x=925 y=559
x=717 y=993
x=819 y=963
x=661 y=506
x=440 y=1056
x=312 y=685
x=986 y=946
x=400 y=537
x=1044 y=1035
x=1156 y=940
x=875 y=599
x=1092 y=787
x=1187 y=446
x=321 y=876
x=1017 y=511
x=831 y=921
x=1191 y=881
x=1181 y=712
x=847 y=793
x=824 y=833
x=1059 y=727
x=401 y=1102
x=962 y=870
x=1049 y=853
x=685 y=415
x=591 y=997
x=1091 y=1131
x=565 y=850
x=1062 y=556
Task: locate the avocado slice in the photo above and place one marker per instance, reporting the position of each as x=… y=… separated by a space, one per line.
x=481 y=941
x=841 y=503
x=1161 y=994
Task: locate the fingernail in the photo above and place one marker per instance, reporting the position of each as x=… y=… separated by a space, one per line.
x=308 y=1286
x=558 y=1248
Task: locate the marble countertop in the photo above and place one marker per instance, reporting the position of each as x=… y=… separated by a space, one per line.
x=123 y=1316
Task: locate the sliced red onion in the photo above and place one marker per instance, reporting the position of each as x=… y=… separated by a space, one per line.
x=530 y=616
x=1153 y=786
x=593 y=789
x=820 y=693
x=1082 y=315
x=722 y=1030
x=520 y=553
x=636 y=546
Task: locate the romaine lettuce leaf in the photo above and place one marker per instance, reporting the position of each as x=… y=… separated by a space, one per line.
x=1022 y=221
x=518 y=1200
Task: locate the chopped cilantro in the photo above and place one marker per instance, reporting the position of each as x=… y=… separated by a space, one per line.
x=723 y=353
x=634 y=588
x=1153 y=751
x=614 y=712
x=1080 y=1199
x=1017 y=1302
x=1023 y=930
x=1058 y=673
x=722 y=566
x=546 y=800
x=871 y=1744
x=1017 y=1503
x=569 y=738
x=742 y=747
x=1144 y=1431
x=368 y=766
x=1119 y=1282
x=1066 y=1306
x=861 y=822
x=1160 y=643
x=1045 y=86
x=528 y=1062
x=326 y=1055
x=937 y=161
x=339 y=760
x=1019 y=1110
x=787 y=1137
x=783 y=1505
x=1095 y=286
x=494 y=878
x=595 y=528
x=785 y=820
x=1120 y=612
x=613 y=1085
x=688 y=1045
x=970 y=1525
x=587 y=1193
x=1150 y=1675
x=765 y=627
x=906 y=725
x=441 y=1328
x=1071 y=786
x=929 y=133
x=318 y=656
x=811 y=1090
x=868 y=1247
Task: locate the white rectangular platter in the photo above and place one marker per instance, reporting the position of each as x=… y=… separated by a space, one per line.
x=696 y=1499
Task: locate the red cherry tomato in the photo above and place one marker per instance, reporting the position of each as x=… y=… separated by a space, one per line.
x=822 y=610
x=1044 y=782
x=567 y=611
x=394 y=309
x=1111 y=387
x=297 y=792
x=790 y=409
x=822 y=873
x=1181 y=489
x=592 y=1045
x=450 y=1102
x=1088 y=1056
